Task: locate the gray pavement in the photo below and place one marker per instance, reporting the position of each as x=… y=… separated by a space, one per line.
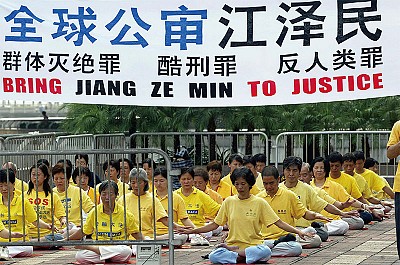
x=375 y=245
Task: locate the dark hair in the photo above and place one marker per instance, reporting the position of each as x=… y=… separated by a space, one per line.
x=69 y=163
x=108 y=184
x=270 y=171
x=236 y=157
x=243 y=172
x=335 y=157
x=84 y=156
x=327 y=167
x=292 y=161
x=249 y=159
x=185 y=170
x=130 y=164
x=359 y=155
x=162 y=171
x=150 y=162
x=370 y=162
x=43 y=161
x=214 y=165
x=7 y=175
x=260 y=158
x=62 y=168
x=81 y=171
x=349 y=157
x=46 y=186
x=111 y=163
x=201 y=172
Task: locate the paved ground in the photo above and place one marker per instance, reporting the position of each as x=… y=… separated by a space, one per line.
x=376 y=245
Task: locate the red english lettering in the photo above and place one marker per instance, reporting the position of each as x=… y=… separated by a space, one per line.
x=377 y=80
x=362 y=82
x=8 y=85
x=269 y=88
x=326 y=87
x=253 y=87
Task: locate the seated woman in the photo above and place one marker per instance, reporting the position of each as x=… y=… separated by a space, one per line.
x=11 y=199
x=245 y=214
x=198 y=205
x=179 y=208
x=82 y=176
x=214 y=169
x=104 y=213
x=42 y=197
x=150 y=210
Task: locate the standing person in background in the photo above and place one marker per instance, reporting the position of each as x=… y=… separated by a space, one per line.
x=393 y=151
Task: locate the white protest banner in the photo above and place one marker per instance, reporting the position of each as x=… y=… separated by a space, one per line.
x=198 y=53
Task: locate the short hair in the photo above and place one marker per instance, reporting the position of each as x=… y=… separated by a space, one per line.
x=139 y=174
x=150 y=162
x=7 y=175
x=43 y=161
x=305 y=164
x=10 y=165
x=261 y=157
x=130 y=164
x=292 y=161
x=236 y=157
x=162 y=171
x=185 y=170
x=370 y=162
x=214 y=165
x=108 y=184
x=327 y=167
x=81 y=171
x=249 y=159
x=84 y=156
x=349 y=157
x=335 y=157
x=270 y=171
x=62 y=168
x=359 y=155
x=111 y=163
x=243 y=172
x=67 y=161
x=201 y=172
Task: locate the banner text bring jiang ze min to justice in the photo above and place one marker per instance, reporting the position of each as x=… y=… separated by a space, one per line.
x=198 y=53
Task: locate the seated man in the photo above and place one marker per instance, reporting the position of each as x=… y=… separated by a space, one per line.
x=310 y=199
x=375 y=182
x=289 y=208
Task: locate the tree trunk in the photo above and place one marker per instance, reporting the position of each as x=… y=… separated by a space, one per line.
x=249 y=140
x=211 y=127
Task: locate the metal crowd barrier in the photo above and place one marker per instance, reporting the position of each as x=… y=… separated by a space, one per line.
x=309 y=145
x=2 y=147
x=203 y=147
x=21 y=159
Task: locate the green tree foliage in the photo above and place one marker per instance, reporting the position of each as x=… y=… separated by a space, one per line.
x=368 y=114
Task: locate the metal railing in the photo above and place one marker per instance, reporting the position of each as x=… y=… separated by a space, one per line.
x=204 y=147
x=309 y=145
x=21 y=159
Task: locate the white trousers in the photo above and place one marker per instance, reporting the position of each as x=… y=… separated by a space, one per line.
x=116 y=254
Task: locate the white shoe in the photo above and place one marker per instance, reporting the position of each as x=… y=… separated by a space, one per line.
x=4 y=254
x=198 y=240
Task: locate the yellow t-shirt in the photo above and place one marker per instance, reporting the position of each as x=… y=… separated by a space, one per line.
x=381 y=195
x=18 y=184
x=245 y=219
x=214 y=195
x=179 y=211
x=198 y=205
x=324 y=195
x=259 y=182
x=17 y=218
x=146 y=210
x=394 y=138
x=223 y=189
x=348 y=183
x=74 y=205
x=309 y=198
x=227 y=179
x=363 y=186
x=287 y=207
x=121 y=189
x=43 y=205
x=375 y=182
x=101 y=230
x=336 y=191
